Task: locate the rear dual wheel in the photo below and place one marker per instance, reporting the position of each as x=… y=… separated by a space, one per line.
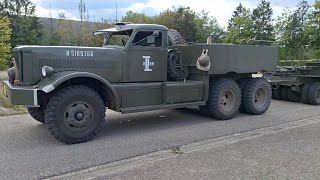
x=286 y=93
x=311 y=93
x=314 y=94
x=256 y=96
x=224 y=99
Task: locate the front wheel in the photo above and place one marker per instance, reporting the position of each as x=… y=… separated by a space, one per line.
x=75 y=114
x=37 y=113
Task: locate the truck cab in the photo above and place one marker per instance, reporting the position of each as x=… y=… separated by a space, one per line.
x=146 y=49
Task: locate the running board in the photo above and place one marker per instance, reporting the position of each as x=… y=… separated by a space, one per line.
x=160 y=107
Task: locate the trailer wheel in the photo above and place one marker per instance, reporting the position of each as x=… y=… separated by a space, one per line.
x=276 y=93
x=37 y=113
x=305 y=93
x=293 y=96
x=75 y=114
x=257 y=96
x=314 y=94
x=284 y=93
x=242 y=82
x=224 y=99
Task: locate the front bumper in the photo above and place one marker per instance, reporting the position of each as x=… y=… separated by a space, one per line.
x=18 y=95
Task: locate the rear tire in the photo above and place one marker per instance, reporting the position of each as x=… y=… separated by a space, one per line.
x=37 y=113
x=305 y=93
x=314 y=94
x=276 y=93
x=242 y=82
x=257 y=96
x=293 y=96
x=284 y=93
x=75 y=114
x=224 y=99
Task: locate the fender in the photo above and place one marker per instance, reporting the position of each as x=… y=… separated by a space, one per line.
x=48 y=84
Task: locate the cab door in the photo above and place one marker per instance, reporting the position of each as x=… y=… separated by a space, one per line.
x=147 y=57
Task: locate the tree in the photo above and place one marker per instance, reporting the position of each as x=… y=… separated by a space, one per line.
x=66 y=33
x=135 y=17
x=5 y=46
x=207 y=25
x=263 y=28
x=312 y=31
x=182 y=19
x=25 y=26
x=238 y=12
x=291 y=32
x=240 y=27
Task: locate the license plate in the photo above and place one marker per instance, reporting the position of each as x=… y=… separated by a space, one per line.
x=5 y=90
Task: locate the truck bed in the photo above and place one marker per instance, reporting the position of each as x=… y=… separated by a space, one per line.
x=229 y=58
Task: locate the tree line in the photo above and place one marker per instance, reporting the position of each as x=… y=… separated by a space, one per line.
x=296 y=32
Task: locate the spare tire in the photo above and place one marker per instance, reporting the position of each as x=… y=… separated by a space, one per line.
x=175 y=38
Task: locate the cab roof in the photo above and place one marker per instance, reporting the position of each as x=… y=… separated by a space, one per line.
x=129 y=26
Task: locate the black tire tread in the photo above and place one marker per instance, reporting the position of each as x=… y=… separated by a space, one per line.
x=37 y=113
x=212 y=108
x=242 y=82
x=312 y=93
x=175 y=38
x=276 y=93
x=249 y=94
x=54 y=102
x=305 y=93
x=293 y=96
x=284 y=93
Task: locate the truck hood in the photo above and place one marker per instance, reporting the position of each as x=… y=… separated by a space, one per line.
x=103 y=61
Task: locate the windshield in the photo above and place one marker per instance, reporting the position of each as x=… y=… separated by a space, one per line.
x=119 y=38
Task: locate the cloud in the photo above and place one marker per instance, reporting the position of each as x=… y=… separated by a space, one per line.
x=98 y=9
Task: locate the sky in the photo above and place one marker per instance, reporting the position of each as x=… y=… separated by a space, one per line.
x=106 y=9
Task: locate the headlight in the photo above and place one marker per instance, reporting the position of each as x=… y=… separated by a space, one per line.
x=47 y=71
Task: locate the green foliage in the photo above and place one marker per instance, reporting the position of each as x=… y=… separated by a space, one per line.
x=138 y=18
x=207 y=25
x=291 y=31
x=66 y=33
x=183 y=19
x=5 y=46
x=240 y=27
x=313 y=26
x=262 y=22
x=26 y=30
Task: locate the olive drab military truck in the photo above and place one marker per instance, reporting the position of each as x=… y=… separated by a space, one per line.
x=141 y=67
x=296 y=83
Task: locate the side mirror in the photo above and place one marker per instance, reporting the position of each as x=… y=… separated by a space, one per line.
x=155 y=33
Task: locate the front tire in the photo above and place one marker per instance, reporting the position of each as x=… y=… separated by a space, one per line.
x=75 y=114
x=224 y=99
x=37 y=113
x=257 y=96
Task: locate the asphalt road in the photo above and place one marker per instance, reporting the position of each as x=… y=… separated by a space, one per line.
x=28 y=151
